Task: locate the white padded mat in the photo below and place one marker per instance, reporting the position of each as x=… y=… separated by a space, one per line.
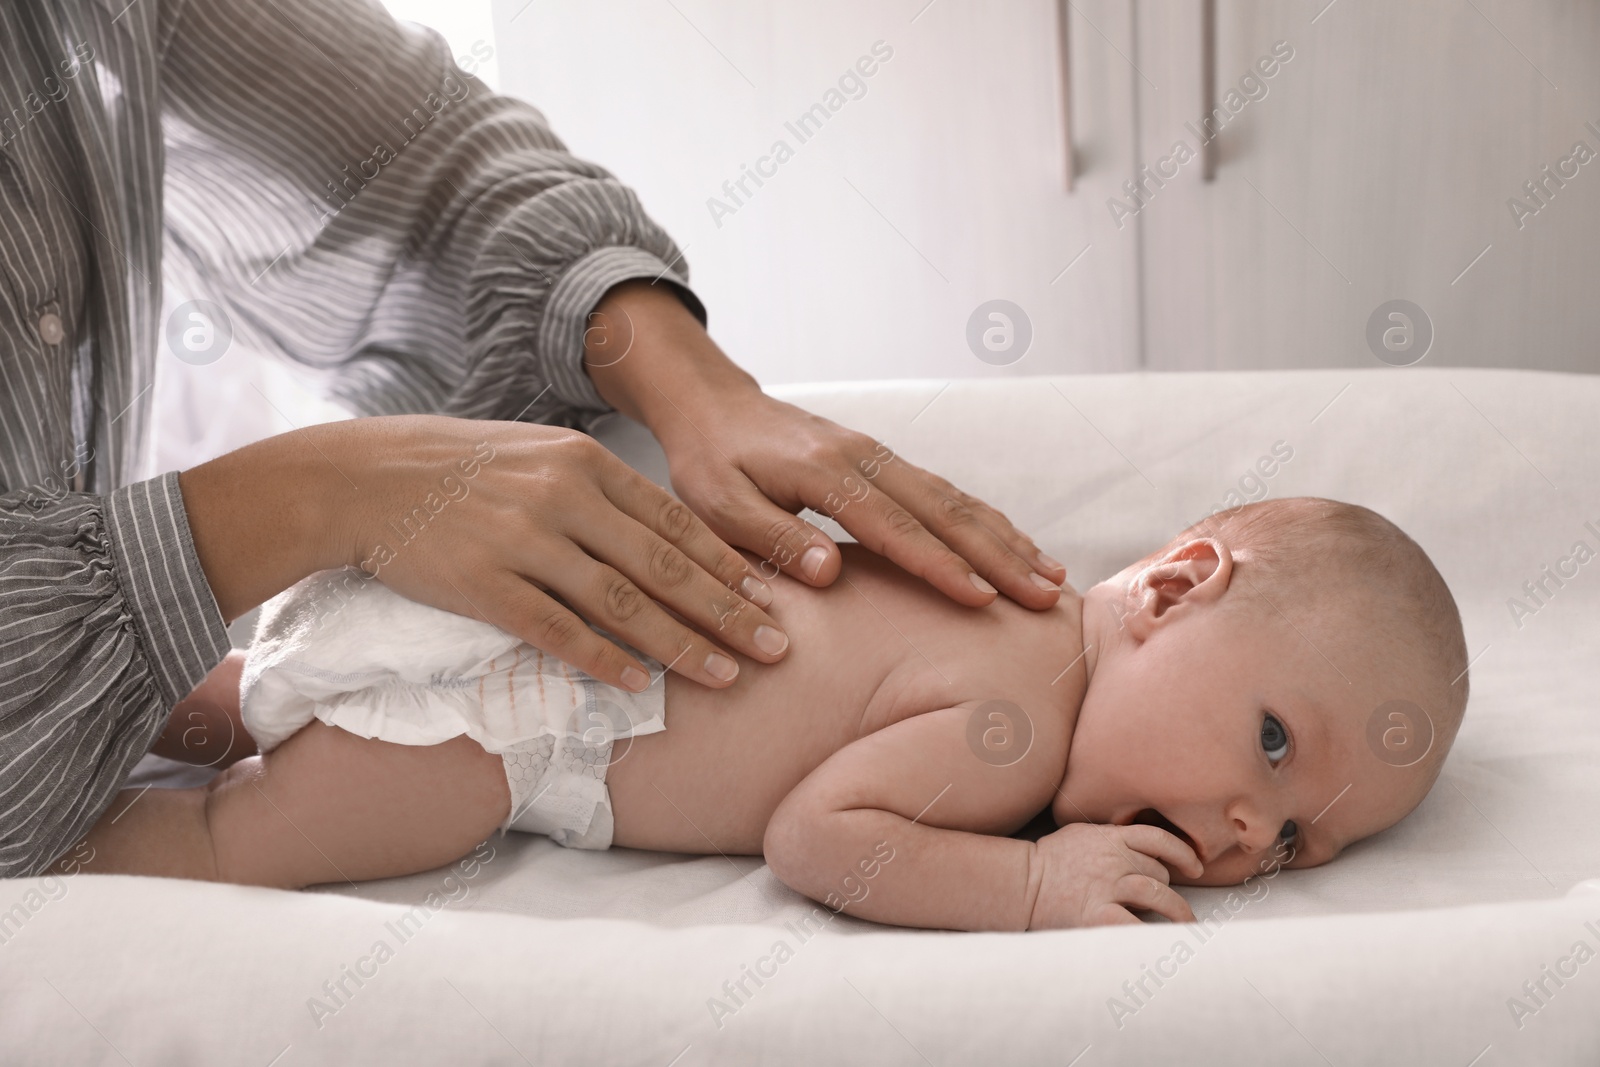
x=1101 y=469
x=1491 y=471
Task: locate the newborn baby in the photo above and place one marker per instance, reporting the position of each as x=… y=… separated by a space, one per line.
x=1280 y=680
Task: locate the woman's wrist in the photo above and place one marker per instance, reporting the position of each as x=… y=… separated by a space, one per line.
x=264 y=516
x=650 y=358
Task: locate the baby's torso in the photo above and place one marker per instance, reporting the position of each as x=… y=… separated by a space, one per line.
x=877 y=646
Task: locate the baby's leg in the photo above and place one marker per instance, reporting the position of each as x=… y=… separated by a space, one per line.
x=324 y=806
x=329 y=806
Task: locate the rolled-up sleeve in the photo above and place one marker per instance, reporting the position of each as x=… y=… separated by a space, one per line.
x=360 y=205
x=106 y=622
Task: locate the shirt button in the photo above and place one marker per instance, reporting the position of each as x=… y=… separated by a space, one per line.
x=51 y=331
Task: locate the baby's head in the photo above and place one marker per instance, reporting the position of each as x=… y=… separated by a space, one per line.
x=1288 y=661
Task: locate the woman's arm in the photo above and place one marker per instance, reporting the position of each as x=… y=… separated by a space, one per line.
x=362 y=205
x=436 y=248
x=106 y=623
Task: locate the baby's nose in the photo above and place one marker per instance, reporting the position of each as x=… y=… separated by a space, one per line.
x=1255 y=835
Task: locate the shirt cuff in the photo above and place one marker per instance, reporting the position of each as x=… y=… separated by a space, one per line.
x=164 y=586
x=575 y=295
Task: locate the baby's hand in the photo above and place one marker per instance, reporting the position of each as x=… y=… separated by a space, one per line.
x=1092 y=870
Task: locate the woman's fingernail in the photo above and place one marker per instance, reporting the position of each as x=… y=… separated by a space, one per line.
x=1044 y=583
x=634 y=680
x=811 y=562
x=755 y=591
x=1050 y=563
x=721 y=667
x=771 y=641
x=981 y=585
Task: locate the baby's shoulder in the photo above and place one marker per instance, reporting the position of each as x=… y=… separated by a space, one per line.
x=1031 y=661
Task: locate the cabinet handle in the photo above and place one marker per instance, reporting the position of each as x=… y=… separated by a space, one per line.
x=1208 y=84
x=1063 y=42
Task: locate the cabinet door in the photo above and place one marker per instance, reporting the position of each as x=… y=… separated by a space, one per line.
x=1382 y=162
x=915 y=194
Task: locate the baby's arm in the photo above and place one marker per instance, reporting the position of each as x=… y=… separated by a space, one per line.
x=915 y=792
x=324 y=806
x=892 y=828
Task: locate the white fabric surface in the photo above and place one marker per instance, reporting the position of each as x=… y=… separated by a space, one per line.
x=350 y=651
x=1405 y=950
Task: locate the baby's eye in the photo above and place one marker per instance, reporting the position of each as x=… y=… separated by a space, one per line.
x=1289 y=832
x=1274 y=738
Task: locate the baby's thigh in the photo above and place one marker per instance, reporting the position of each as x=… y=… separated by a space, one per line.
x=329 y=806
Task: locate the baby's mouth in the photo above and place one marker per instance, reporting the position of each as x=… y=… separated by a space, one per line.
x=1152 y=817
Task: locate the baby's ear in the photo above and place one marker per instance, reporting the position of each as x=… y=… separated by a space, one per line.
x=1192 y=574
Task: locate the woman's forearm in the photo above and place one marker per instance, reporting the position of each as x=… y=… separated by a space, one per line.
x=263 y=516
x=650 y=358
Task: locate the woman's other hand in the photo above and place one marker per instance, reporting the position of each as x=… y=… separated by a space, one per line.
x=748 y=463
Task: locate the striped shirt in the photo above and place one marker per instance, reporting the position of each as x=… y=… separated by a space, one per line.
x=354 y=203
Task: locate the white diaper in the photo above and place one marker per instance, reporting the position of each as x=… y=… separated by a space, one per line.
x=348 y=650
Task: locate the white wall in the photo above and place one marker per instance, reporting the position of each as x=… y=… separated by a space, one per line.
x=462 y=23
x=866 y=253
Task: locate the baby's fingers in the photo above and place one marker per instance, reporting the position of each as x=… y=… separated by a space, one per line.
x=1147 y=894
x=1109 y=914
x=1164 y=846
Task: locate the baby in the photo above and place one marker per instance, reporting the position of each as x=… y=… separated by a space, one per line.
x=1280 y=680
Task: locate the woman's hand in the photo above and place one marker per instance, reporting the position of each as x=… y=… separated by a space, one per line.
x=537 y=529
x=1093 y=874
x=748 y=463
x=751 y=463
x=534 y=529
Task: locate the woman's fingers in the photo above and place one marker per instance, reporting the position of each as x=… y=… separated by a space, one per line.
x=784 y=460
x=796 y=547
x=644 y=569
x=740 y=513
x=786 y=542
x=1003 y=528
x=609 y=599
x=672 y=521
x=898 y=510
x=879 y=522
x=521 y=608
x=930 y=528
x=631 y=551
